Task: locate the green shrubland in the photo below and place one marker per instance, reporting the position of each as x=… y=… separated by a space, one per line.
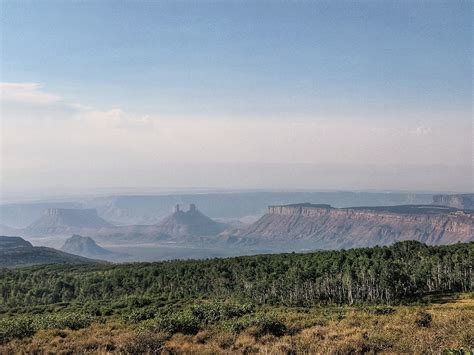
x=408 y=297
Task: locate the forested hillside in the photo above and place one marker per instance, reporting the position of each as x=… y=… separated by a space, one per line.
x=328 y=301
x=372 y=275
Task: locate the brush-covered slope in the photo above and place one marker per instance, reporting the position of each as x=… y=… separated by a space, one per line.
x=15 y=252
x=66 y=221
x=321 y=226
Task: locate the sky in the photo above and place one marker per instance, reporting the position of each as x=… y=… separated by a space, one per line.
x=241 y=94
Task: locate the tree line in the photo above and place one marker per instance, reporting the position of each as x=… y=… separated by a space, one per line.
x=389 y=274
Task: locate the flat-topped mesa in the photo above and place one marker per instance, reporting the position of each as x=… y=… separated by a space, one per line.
x=70 y=212
x=309 y=210
x=323 y=226
x=65 y=221
x=304 y=209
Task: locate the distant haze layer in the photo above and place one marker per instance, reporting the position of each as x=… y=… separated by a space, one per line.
x=300 y=95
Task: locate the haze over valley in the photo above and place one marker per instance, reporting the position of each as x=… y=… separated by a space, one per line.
x=147 y=228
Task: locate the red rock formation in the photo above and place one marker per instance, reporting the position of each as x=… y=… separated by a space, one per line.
x=327 y=227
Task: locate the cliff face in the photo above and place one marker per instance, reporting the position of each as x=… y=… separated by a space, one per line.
x=464 y=201
x=321 y=226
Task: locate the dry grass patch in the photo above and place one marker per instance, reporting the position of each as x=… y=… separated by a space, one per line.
x=308 y=330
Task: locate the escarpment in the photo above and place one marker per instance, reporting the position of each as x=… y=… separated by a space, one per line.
x=322 y=226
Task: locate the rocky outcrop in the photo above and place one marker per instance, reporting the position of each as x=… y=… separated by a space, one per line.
x=321 y=226
x=179 y=226
x=462 y=201
x=191 y=223
x=86 y=246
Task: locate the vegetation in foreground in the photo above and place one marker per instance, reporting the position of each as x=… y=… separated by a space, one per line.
x=444 y=325
x=375 y=299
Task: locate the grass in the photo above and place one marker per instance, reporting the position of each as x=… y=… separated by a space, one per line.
x=443 y=325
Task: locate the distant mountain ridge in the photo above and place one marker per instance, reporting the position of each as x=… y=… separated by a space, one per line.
x=461 y=201
x=322 y=226
x=16 y=252
x=307 y=226
x=151 y=209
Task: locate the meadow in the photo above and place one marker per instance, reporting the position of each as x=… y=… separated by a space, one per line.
x=444 y=324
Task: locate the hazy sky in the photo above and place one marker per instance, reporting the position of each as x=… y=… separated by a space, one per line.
x=321 y=95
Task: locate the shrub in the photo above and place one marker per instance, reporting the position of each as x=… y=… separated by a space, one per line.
x=258 y=325
x=211 y=313
x=18 y=327
x=139 y=315
x=138 y=302
x=131 y=302
x=93 y=309
x=145 y=343
x=423 y=319
x=180 y=322
x=383 y=310
x=72 y=321
x=25 y=326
